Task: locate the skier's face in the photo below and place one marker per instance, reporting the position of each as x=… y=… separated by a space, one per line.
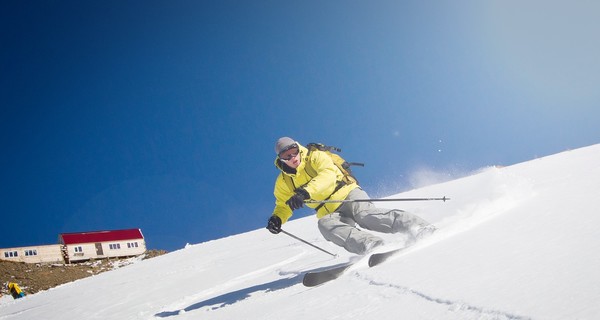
x=291 y=157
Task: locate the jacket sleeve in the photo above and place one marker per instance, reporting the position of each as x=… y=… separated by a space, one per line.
x=323 y=185
x=282 y=194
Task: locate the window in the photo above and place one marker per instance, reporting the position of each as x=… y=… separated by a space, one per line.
x=115 y=246
x=30 y=253
x=78 y=251
x=10 y=254
x=132 y=245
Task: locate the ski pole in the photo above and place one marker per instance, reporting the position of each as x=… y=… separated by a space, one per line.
x=308 y=243
x=377 y=200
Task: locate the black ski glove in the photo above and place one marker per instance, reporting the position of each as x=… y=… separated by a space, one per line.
x=297 y=200
x=274 y=224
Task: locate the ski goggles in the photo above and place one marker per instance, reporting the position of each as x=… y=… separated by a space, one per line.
x=291 y=155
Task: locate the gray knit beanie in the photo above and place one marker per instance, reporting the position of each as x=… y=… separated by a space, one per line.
x=284 y=144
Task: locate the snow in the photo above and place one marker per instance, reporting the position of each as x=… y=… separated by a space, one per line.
x=516 y=242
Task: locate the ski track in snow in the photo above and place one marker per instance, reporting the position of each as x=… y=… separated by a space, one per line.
x=455 y=306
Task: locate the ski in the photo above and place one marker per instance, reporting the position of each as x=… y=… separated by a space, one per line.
x=378 y=258
x=315 y=278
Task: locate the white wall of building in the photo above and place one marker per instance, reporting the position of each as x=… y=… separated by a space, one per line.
x=33 y=254
x=109 y=249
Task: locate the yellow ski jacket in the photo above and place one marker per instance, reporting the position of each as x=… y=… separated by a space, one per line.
x=15 y=290
x=326 y=185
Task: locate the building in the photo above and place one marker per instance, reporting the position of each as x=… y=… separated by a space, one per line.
x=81 y=246
x=34 y=254
x=101 y=244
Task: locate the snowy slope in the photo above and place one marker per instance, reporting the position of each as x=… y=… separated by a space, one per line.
x=517 y=242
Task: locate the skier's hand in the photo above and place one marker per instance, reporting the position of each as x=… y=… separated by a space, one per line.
x=297 y=200
x=274 y=224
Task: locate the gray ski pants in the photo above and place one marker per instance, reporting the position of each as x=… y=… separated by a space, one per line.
x=340 y=227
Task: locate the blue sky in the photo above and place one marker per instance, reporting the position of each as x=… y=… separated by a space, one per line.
x=162 y=115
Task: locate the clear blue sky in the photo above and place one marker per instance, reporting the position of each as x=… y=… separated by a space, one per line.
x=162 y=115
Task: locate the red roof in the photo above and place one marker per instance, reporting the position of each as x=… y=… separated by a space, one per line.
x=101 y=236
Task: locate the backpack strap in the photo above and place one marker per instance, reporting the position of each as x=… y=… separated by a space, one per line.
x=308 y=165
x=313 y=173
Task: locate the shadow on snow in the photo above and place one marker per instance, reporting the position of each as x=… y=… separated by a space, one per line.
x=235 y=296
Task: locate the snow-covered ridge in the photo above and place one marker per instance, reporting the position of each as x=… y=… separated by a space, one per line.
x=516 y=242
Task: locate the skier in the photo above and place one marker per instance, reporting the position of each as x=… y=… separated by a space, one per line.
x=337 y=222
